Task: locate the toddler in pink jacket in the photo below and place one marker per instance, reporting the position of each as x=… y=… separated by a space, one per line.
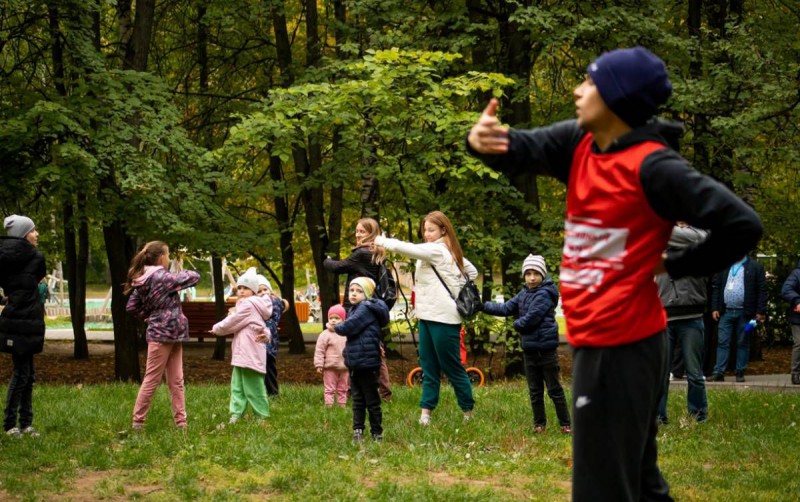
x=249 y=354
x=329 y=361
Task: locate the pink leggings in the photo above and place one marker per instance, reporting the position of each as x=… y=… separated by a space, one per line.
x=162 y=358
x=335 y=382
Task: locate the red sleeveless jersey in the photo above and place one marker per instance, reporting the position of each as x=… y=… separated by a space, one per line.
x=612 y=242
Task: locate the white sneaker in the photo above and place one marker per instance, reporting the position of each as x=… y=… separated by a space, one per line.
x=468 y=416
x=14 y=432
x=30 y=431
x=234 y=419
x=424 y=420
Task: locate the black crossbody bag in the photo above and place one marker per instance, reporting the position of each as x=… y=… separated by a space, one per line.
x=468 y=301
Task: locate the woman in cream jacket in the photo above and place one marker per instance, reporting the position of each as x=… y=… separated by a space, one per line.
x=439 y=321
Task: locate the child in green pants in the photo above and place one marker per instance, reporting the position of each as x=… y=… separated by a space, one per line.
x=249 y=355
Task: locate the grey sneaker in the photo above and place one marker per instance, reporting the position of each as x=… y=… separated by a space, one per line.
x=30 y=431
x=377 y=437
x=13 y=432
x=234 y=419
x=358 y=436
x=424 y=420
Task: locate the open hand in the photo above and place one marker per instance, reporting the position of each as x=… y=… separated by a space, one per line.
x=487 y=135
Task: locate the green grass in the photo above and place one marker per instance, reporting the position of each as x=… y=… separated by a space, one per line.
x=747 y=451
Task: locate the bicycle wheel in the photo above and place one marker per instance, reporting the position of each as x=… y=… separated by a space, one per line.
x=414 y=377
x=476 y=377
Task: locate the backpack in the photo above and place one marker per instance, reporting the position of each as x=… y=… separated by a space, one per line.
x=386 y=287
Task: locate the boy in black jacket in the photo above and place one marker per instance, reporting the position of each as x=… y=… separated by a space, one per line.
x=535 y=307
x=362 y=355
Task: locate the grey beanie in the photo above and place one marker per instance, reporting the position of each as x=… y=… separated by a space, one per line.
x=534 y=263
x=18 y=226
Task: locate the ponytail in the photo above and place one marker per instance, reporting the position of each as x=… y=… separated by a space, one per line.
x=150 y=254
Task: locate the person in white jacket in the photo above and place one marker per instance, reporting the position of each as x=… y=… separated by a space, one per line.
x=439 y=320
x=249 y=354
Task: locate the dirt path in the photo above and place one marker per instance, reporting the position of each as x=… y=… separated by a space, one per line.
x=56 y=366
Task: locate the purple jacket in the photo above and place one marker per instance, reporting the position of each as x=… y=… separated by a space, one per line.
x=155 y=300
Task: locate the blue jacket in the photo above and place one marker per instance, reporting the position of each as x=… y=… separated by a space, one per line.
x=791 y=293
x=363 y=331
x=535 y=312
x=755 y=290
x=272 y=326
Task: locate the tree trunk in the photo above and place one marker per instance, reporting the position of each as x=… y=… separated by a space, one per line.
x=81 y=348
x=219 y=304
x=75 y=256
x=135 y=47
x=120 y=251
x=290 y=321
x=313 y=203
x=138 y=48
x=516 y=61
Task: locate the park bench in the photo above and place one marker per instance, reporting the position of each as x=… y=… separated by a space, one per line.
x=203 y=315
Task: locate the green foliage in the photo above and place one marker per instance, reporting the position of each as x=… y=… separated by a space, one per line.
x=392 y=96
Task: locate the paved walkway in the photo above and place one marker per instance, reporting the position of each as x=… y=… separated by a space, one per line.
x=774 y=383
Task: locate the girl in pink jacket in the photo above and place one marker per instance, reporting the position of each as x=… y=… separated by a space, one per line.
x=329 y=361
x=249 y=354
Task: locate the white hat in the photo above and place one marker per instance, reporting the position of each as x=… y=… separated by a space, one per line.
x=534 y=263
x=263 y=281
x=249 y=279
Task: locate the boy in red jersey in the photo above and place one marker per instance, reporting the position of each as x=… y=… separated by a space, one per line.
x=625 y=189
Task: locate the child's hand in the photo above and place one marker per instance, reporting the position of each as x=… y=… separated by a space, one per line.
x=383 y=351
x=319 y=370
x=330 y=326
x=263 y=337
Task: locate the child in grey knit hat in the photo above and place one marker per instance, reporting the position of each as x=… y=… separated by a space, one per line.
x=534 y=309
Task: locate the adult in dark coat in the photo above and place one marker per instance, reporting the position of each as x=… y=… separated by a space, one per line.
x=738 y=295
x=22 y=266
x=363 y=262
x=791 y=293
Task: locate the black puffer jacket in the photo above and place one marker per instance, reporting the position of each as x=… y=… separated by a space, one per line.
x=22 y=266
x=358 y=264
x=535 y=311
x=363 y=331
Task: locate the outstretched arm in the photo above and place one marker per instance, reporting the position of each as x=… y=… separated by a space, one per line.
x=544 y=150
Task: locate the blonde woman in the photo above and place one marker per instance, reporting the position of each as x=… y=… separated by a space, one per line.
x=439 y=320
x=364 y=261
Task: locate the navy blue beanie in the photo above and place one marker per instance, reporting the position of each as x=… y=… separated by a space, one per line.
x=633 y=83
